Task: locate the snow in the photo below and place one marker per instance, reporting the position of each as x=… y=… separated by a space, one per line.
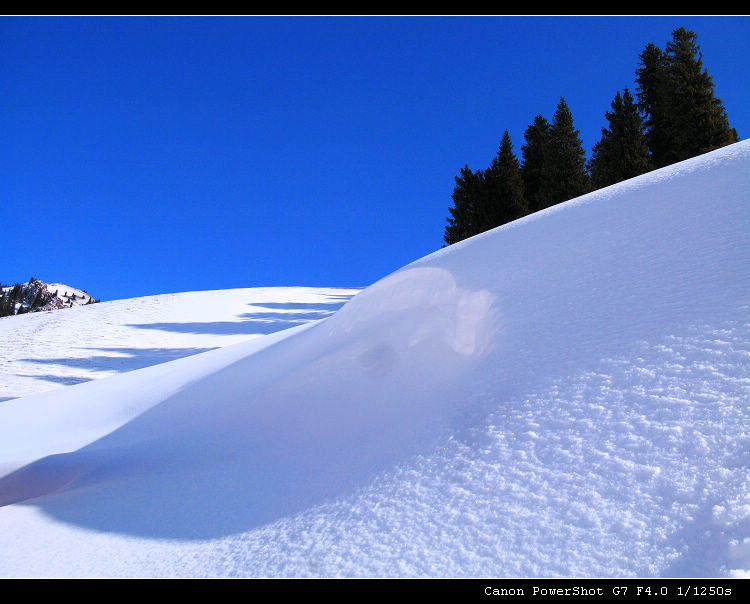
x=565 y=395
x=67 y=291
x=48 y=350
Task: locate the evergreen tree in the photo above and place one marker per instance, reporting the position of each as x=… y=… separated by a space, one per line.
x=535 y=153
x=16 y=296
x=5 y=304
x=465 y=220
x=651 y=81
x=699 y=122
x=505 y=199
x=621 y=153
x=683 y=118
x=485 y=199
x=564 y=176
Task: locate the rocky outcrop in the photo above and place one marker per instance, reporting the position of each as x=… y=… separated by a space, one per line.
x=36 y=295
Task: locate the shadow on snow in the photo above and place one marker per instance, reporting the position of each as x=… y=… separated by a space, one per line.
x=275 y=316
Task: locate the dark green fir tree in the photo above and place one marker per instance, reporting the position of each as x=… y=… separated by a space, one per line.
x=683 y=117
x=535 y=153
x=699 y=123
x=564 y=176
x=504 y=186
x=465 y=219
x=621 y=153
x=651 y=92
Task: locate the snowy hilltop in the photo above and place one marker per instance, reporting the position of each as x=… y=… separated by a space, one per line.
x=44 y=351
x=565 y=395
x=36 y=296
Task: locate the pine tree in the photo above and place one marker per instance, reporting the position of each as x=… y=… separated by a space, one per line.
x=565 y=176
x=621 y=153
x=16 y=294
x=505 y=199
x=5 y=304
x=535 y=153
x=651 y=91
x=683 y=118
x=465 y=213
x=699 y=122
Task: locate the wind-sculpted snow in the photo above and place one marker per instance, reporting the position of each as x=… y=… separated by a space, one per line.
x=425 y=303
x=562 y=396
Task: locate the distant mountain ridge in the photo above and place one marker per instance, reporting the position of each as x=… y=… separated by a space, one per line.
x=36 y=295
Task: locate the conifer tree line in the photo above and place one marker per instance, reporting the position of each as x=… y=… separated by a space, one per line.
x=11 y=300
x=674 y=116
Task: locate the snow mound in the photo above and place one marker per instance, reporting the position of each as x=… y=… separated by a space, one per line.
x=565 y=395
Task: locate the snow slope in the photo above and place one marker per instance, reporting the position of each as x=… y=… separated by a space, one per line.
x=562 y=396
x=66 y=291
x=47 y=350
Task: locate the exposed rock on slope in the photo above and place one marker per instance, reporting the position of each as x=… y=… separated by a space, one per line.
x=36 y=295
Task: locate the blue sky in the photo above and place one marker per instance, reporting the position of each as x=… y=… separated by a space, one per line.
x=154 y=155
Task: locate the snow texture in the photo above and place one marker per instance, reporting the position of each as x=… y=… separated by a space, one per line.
x=565 y=395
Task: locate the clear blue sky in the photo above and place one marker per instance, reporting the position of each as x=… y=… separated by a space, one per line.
x=152 y=155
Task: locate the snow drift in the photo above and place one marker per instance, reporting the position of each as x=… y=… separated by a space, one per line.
x=565 y=395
